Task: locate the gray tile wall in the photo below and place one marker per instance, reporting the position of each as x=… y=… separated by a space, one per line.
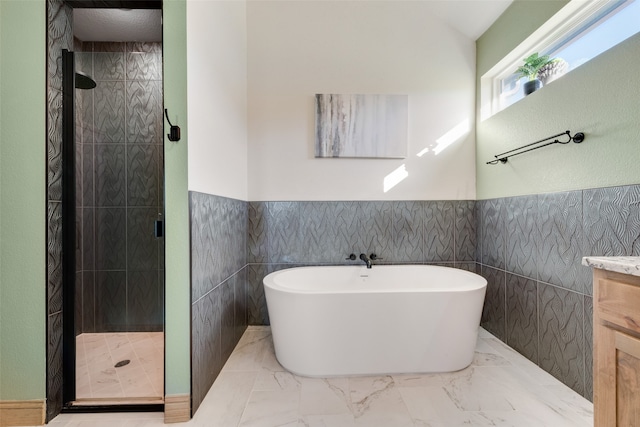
x=539 y=296
x=287 y=234
x=119 y=187
x=218 y=286
x=59 y=36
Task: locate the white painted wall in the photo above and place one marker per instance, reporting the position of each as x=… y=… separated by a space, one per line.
x=217 y=97
x=298 y=49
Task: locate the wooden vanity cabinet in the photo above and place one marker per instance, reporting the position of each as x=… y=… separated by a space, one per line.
x=616 y=348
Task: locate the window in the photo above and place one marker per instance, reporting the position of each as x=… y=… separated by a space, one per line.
x=576 y=34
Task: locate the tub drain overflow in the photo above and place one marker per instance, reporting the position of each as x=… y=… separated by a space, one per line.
x=122 y=363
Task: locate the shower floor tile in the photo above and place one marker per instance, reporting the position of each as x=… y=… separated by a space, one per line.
x=139 y=379
x=500 y=388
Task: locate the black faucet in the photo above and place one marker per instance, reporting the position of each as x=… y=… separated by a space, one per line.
x=366 y=259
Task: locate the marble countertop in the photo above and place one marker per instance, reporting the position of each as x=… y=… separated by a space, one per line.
x=619 y=264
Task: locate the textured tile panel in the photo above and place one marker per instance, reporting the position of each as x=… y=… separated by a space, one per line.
x=522 y=316
x=54 y=365
x=612 y=221
x=110 y=175
x=88 y=239
x=560 y=249
x=144 y=313
x=54 y=145
x=227 y=318
x=375 y=230
x=283 y=231
x=493 y=312
x=110 y=240
x=109 y=109
x=88 y=190
x=465 y=230
x=561 y=319
x=111 y=295
x=408 y=232
x=144 y=112
x=588 y=348
x=144 y=66
x=256 y=301
x=54 y=257
x=521 y=235
x=142 y=175
x=257 y=242
x=142 y=245
x=439 y=231
x=241 y=309
x=88 y=302
x=108 y=47
x=108 y=66
x=493 y=232
x=207 y=345
x=59 y=36
x=149 y=47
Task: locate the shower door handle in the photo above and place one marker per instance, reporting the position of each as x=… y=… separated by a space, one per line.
x=158 y=228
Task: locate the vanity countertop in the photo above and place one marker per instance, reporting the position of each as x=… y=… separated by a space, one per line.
x=620 y=264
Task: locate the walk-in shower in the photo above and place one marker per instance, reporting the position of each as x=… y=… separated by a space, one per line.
x=112 y=203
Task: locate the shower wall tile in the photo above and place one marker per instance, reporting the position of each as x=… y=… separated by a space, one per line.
x=144 y=113
x=241 y=303
x=54 y=365
x=88 y=302
x=84 y=64
x=521 y=316
x=408 y=232
x=54 y=145
x=465 y=230
x=88 y=199
x=227 y=318
x=110 y=238
x=142 y=245
x=59 y=36
x=78 y=174
x=88 y=239
x=111 y=293
x=148 y=47
x=561 y=241
x=54 y=257
x=439 y=219
x=142 y=175
x=521 y=235
x=561 y=319
x=612 y=221
x=108 y=66
x=144 y=65
x=110 y=175
x=86 y=115
x=109 y=112
x=494 y=310
x=144 y=311
x=108 y=47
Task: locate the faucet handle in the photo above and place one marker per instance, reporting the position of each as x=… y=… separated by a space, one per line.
x=351 y=257
x=374 y=257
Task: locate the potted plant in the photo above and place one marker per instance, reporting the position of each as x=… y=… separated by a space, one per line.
x=530 y=69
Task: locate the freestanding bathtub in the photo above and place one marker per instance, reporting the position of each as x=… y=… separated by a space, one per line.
x=350 y=320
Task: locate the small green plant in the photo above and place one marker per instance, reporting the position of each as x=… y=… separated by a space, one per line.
x=532 y=65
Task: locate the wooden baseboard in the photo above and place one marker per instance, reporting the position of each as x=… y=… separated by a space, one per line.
x=22 y=412
x=177 y=408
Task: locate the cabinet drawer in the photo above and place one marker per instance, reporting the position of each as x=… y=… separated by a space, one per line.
x=618 y=303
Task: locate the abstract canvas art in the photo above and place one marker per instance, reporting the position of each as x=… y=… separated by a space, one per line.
x=361 y=125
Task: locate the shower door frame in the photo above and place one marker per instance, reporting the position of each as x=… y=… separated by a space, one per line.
x=69 y=235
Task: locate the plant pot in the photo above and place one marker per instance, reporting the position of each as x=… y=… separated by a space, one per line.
x=532 y=86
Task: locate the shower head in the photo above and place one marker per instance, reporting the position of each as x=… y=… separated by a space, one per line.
x=84 y=82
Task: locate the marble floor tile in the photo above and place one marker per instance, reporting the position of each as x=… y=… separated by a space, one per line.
x=499 y=388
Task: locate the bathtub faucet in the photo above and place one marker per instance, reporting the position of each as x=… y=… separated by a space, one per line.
x=366 y=260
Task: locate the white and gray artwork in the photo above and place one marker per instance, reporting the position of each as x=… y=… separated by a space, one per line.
x=361 y=125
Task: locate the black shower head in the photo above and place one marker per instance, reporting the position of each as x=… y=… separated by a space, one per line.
x=84 y=82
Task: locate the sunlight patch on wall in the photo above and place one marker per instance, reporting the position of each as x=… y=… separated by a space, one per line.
x=395 y=177
x=458 y=132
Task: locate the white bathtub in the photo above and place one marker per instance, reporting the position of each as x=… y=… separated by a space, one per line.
x=350 y=320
